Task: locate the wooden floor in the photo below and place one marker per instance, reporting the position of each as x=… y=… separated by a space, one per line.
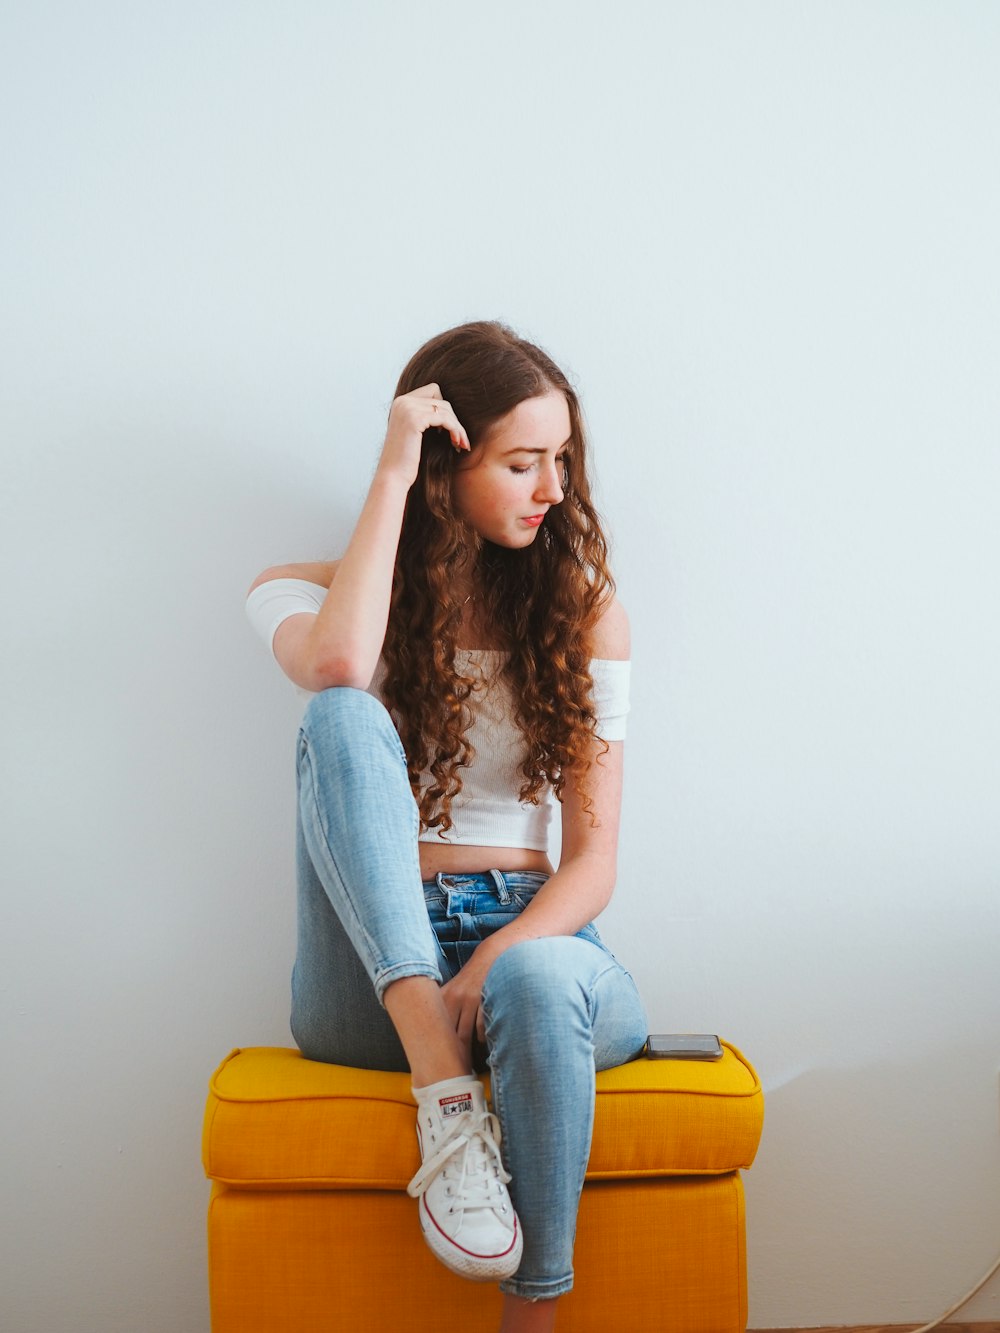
x=991 y=1326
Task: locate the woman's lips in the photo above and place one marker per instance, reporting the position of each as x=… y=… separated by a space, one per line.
x=534 y=520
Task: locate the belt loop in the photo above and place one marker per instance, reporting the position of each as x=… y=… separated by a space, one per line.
x=503 y=893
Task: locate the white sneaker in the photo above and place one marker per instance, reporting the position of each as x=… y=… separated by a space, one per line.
x=466 y=1214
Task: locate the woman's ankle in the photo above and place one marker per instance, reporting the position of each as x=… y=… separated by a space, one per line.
x=522 y=1316
x=440 y=1086
x=425 y=1071
x=418 y=1013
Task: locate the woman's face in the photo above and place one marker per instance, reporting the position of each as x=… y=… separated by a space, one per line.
x=510 y=481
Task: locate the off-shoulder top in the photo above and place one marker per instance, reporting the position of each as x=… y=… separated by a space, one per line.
x=488 y=811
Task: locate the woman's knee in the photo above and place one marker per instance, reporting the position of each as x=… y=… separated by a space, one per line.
x=538 y=974
x=342 y=720
x=342 y=705
x=562 y=990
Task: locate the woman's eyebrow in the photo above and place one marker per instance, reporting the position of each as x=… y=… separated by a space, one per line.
x=526 y=449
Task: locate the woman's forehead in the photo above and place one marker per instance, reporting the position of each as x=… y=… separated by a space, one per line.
x=541 y=423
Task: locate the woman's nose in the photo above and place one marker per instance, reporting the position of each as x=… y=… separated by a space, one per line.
x=550 y=485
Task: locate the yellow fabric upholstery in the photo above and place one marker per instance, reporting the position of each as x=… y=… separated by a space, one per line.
x=276 y=1120
x=309 y=1225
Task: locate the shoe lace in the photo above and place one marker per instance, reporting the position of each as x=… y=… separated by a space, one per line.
x=475 y=1149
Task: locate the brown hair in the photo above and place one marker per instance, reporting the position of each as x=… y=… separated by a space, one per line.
x=541 y=602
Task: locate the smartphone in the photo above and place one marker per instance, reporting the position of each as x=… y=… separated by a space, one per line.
x=683 y=1046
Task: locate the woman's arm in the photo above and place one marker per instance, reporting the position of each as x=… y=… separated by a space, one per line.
x=341 y=645
x=582 y=886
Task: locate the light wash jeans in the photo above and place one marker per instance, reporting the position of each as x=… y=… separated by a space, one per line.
x=555 y=1009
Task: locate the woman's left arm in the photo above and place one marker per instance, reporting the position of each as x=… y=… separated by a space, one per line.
x=582 y=886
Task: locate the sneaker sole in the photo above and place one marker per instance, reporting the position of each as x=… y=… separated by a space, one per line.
x=475 y=1267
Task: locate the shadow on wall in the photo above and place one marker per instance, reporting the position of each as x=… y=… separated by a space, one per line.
x=872 y=1189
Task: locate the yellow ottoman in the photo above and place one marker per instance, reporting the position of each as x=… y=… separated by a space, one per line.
x=310 y=1227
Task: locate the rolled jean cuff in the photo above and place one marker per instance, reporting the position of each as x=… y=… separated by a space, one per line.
x=417 y=968
x=537 y=1291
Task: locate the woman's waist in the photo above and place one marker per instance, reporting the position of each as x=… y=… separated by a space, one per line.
x=459 y=858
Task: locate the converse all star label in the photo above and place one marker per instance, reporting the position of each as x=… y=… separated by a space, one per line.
x=451 y=1106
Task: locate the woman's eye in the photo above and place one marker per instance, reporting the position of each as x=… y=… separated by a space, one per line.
x=562 y=462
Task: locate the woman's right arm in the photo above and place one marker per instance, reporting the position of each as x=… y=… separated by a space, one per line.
x=341 y=645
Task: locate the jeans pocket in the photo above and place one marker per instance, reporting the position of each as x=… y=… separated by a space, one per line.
x=523 y=885
x=488 y=923
x=436 y=903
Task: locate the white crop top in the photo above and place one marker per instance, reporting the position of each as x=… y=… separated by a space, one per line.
x=487 y=812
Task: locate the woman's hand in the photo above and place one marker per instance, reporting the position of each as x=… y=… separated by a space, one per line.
x=341 y=645
x=462 y=997
x=410 y=415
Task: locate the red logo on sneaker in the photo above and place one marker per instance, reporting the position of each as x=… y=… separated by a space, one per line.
x=455 y=1105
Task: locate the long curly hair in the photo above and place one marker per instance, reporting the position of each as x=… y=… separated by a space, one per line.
x=540 y=602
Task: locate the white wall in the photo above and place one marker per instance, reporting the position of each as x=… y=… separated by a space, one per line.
x=763 y=239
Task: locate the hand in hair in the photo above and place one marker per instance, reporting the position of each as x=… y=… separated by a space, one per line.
x=410 y=415
x=341 y=645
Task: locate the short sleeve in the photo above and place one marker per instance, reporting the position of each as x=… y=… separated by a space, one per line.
x=272 y=602
x=611 y=682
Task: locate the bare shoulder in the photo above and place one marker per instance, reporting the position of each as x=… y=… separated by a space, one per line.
x=320 y=572
x=612 y=640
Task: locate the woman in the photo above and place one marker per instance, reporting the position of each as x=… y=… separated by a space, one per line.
x=469 y=666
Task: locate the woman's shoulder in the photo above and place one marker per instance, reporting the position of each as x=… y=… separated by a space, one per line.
x=320 y=572
x=611 y=640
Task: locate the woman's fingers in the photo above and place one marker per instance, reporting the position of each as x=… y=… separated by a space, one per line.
x=466 y=1024
x=463 y=1006
x=410 y=416
x=432 y=409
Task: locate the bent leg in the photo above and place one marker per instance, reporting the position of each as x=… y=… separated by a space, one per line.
x=362 y=919
x=366 y=941
x=336 y=1015
x=556 y=1010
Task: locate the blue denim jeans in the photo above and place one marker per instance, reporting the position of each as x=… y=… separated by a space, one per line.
x=555 y=1009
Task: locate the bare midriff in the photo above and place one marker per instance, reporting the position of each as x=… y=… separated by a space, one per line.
x=462 y=859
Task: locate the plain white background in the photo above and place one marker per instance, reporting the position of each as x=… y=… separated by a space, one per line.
x=762 y=240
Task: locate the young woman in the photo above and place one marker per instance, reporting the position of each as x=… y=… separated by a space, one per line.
x=469 y=667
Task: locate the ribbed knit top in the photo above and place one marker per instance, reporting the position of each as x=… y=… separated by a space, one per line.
x=487 y=812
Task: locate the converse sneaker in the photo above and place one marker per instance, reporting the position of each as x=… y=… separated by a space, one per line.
x=466 y=1214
